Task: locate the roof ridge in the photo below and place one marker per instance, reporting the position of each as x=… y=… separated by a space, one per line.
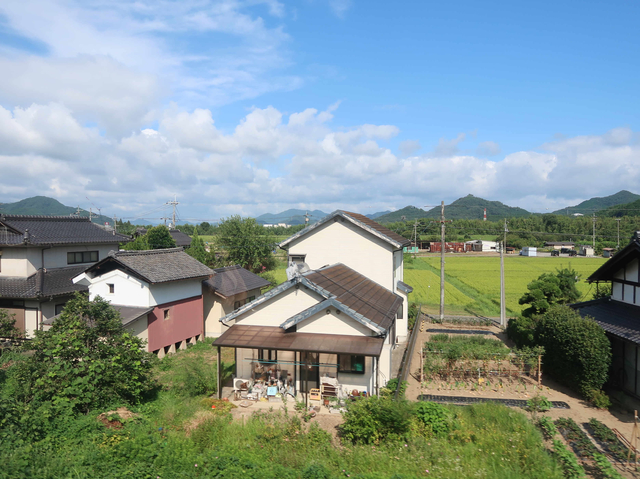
x=45 y=217
x=146 y=252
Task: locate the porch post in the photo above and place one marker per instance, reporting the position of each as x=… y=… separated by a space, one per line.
x=219 y=377
x=377 y=363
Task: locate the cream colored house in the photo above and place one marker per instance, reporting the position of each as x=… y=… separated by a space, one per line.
x=328 y=326
x=227 y=290
x=359 y=243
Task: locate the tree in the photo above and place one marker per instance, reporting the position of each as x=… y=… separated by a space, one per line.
x=578 y=352
x=8 y=325
x=159 y=237
x=138 y=244
x=550 y=289
x=197 y=249
x=88 y=358
x=246 y=243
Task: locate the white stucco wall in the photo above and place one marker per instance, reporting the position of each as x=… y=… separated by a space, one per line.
x=333 y=323
x=631 y=271
x=279 y=308
x=215 y=307
x=56 y=257
x=625 y=292
x=20 y=262
x=343 y=242
x=174 y=291
x=128 y=290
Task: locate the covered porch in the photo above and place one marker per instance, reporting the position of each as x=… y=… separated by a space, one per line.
x=271 y=361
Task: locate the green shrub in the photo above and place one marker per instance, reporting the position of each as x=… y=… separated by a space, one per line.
x=435 y=417
x=522 y=331
x=413 y=315
x=374 y=419
x=538 y=403
x=392 y=385
x=578 y=352
x=599 y=399
x=8 y=325
x=316 y=471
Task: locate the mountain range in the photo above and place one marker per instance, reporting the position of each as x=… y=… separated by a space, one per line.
x=592 y=205
x=43 y=205
x=290 y=217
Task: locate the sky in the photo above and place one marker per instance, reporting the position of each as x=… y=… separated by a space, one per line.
x=255 y=106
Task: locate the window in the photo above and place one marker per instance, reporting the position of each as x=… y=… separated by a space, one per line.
x=400 y=311
x=82 y=257
x=167 y=314
x=242 y=302
x=59 y=308
x=350 y=364
x=269 y=355
x=112 y=288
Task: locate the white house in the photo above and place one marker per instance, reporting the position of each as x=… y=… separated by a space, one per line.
x=328 y=326
x=619 y=315
x=359 y=243
x=39 y=256
x=158 y=293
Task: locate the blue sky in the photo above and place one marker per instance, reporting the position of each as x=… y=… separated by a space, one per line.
x=259 y=105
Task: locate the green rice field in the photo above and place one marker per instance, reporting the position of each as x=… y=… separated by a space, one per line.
x=472 y=283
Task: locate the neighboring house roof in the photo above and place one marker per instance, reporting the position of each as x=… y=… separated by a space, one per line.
x=232 y=280
x=43 y=283
x=559 y=243
x=367 y=224
x=404 y=287
x=153 y=266
x=616 y=263
x=180 y=238
x=342 y=287
x=128 y=314
x=272 y=337
x=53 y=230
x=617 y=318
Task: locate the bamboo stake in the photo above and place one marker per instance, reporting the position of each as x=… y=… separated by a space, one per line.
x=539 y=370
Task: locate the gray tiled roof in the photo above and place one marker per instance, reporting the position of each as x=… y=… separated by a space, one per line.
x=367 y=224
x=181 y=239
x=154 y=266
x=45 y=230
x=617 y=318
x=43 y=283
x=233 y=280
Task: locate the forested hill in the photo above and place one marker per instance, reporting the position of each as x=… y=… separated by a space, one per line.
x=595 y=204
x=408 y=213
x=43 y=205
x=472 y=208
x=618 y=211
x=291 y=217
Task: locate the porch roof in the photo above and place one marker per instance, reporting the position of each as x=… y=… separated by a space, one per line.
x=274 y=337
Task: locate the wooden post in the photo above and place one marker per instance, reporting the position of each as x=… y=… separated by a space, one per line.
x=634 y=439
x=421 y=366
x=539 y=370
x=219 y=376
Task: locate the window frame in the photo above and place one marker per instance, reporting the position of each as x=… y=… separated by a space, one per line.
x=112 y=288
x=85 y=257
x=272 y=355
x=352 y=363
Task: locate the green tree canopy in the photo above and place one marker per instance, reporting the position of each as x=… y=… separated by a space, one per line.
x=246 y=243
x=197 y=249
x=549 y=289
x=88 y=358
x=8 y=325
x=157 y=237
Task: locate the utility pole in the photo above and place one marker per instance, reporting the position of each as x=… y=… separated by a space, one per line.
x=174 y=203
x=442 y=261
x=503 y=308
x=415 y=233
x=115 y=224
x=306 y=218
x=90 y=213
x=594 y=232
x=618 y=220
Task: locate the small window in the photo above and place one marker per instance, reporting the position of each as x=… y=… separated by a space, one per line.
x=400 y=311
x=82 y=257
x=249 y=299
x=112 y=288
x=167 y=314
x=59 y=308
x=350 y=364
x=237 y=305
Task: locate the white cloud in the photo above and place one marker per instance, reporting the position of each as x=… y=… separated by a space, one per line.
x=488 y=148
x=340 y=7
x=448 y=147
x=409 y=147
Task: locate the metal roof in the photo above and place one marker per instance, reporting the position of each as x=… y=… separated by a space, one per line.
x=153 y=266
x=17 y=230
x=273 y=337
x=617 y=318
x=233 y=280
x=367 y=224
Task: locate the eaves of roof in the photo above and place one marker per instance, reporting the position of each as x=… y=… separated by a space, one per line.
x=614 y=264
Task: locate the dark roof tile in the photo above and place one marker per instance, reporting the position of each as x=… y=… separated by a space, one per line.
x=617 y=318
x=233 y=280
x=52 y=282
